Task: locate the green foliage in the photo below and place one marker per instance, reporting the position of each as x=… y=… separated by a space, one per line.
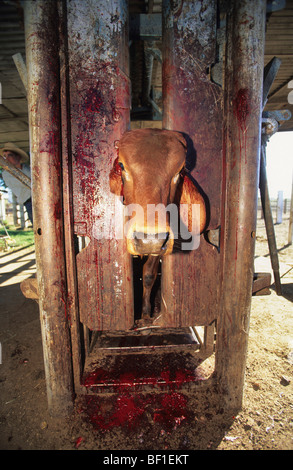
x=21 y=237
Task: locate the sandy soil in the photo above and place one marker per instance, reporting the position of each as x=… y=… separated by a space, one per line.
x=265 y=421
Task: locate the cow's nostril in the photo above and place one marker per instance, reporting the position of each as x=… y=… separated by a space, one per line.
x=164 y=236
x=139 y=235
x=141 y=243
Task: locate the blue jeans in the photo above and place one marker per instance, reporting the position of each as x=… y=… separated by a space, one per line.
x=28 y=205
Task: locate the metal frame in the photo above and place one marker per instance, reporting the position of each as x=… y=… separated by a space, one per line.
x=223 y=122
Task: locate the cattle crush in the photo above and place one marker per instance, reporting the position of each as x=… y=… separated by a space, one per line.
x=80 y=100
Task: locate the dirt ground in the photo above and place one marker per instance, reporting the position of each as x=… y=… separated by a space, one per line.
x=264 y=423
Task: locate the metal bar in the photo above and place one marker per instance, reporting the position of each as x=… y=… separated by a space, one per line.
x=268 y=217
x=242 y=113
x=270 y=73
x=16 y=172
x=162 y=347
x=21 y=68
x=42 y=55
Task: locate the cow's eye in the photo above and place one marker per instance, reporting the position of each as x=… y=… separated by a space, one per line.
x=121 y=165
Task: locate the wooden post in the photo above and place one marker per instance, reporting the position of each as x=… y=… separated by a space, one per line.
x=242 y=114
x=42 y=56
x=14 y=209
x=21 y=215
x=280 y=204
x=2 y=207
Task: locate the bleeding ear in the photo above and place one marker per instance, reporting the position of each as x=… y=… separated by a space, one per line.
x=190 y=195
x=116 y=186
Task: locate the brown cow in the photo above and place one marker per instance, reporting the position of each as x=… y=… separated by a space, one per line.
x=150 y=170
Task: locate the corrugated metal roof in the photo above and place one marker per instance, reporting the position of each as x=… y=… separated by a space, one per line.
x=13 y=108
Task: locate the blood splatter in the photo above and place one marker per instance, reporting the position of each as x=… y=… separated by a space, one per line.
x=242 y=109
x=133 y=411
x=242 y=106
x=131 y=405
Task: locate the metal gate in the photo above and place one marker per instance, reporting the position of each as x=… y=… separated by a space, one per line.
x=79 y=96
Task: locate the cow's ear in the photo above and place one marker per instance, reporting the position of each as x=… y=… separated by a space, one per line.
x=189 y=194
x=115 y=179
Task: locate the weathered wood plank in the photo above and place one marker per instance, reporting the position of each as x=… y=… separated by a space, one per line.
x=242 y=121
x=100 y=113
x=193 y=105
x=42 y=56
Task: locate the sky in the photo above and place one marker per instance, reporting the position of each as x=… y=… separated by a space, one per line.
x=280 y=164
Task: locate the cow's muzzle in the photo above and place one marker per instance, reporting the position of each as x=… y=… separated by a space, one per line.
x=141 y=243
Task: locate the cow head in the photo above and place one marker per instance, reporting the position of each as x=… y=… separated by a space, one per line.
x=149 y=172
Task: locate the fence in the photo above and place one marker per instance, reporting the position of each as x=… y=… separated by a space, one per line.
x=14 y=213
x=279 y=208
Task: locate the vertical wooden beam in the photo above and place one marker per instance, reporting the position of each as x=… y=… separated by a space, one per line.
x=242 y=114
x=67 y=189
x=280 y=206
x=193 y=106
x=42 y=57
x=99 y=93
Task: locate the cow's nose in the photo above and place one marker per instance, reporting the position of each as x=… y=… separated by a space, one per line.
x=150 y=243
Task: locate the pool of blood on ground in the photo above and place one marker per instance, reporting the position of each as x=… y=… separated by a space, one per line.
x=134 y=411
x=129 y=378
x=129 y=371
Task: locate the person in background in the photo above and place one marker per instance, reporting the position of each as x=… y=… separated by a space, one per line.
x=20 y=160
